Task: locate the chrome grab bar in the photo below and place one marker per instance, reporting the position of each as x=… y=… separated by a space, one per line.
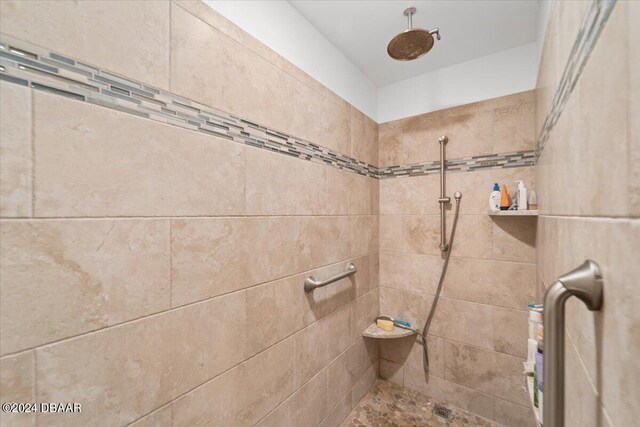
x=311 y=283
x=585 y=282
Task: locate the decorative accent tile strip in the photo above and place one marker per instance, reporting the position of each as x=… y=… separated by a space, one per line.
x=516 y=159
x=47 y=71
x=590 y=30
x=64 y=76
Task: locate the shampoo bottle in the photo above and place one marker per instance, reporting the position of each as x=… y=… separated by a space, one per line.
x=504 y=199
x=494 y=198
x=522 y=196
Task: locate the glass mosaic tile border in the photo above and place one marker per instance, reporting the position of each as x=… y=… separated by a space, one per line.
x=31 y=66
x=590 y=30
x=516 y=159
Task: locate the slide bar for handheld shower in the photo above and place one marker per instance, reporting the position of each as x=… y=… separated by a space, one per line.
x=585 y=282
x=443 y=199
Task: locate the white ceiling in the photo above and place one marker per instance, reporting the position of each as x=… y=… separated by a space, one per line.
x=470 y=29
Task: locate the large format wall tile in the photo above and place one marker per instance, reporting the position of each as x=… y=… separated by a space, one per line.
x=229 y=76
x=321 y=241
x=510 y=331
x=408 y=351
x=15 y=150
x=213 y=256
x=138 y=49
x=364 y=234
x=470 y=366
x=412 y=272
x=17 y=378
x=338 y=413
x=320 y=120
x=279 y=185
x=416 y=195
x=510 y=414
x=64 y=277
x=454 y=394
x=514 y=123
x=497 y=125
x=134 y=366
x=320 y=343
x=308 y=121
x=228 y=28
x=306 y=407
x=349 y=193
x=499 y=283
x=633 y=110
x=465 y=322
x=244 y=394
x=364 y=138
x=91 y=161
x=514 y=239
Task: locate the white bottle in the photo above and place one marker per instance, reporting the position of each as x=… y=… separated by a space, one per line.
x=494 y=198
x=522 y=196
x=535 y=318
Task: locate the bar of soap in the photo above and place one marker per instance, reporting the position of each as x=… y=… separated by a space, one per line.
x=385 y=325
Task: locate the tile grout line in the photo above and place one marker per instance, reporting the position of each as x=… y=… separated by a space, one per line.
x=458 y=257
x=170 y=264
x=185 y=306
x=170 y=41
x=457 y=299
x=32 y=132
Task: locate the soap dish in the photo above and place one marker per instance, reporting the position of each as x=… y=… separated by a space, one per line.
x=374 y=332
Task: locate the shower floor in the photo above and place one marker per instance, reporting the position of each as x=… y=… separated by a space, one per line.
x=388 y=404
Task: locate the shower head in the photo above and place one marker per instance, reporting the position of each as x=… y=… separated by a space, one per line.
x=413 y=42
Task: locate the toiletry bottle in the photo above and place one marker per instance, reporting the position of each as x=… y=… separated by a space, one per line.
x=494 y=198
x=504 y=199
x=521 y=196
x=535 y=318
x=533 y=200
x=535 y=382
x=532 y=349
x=538 y=385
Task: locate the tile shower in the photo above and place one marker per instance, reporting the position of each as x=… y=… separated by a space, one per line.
x=158 y=222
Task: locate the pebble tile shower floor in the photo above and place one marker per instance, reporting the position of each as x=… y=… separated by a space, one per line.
x=390 y=405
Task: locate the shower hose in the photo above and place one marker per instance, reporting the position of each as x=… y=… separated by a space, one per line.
x=437 y=296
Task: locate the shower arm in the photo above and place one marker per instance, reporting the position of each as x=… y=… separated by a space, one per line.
x=442 y=199
x=409 y=14
x=585 y=282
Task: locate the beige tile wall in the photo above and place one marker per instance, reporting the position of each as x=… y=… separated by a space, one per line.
x=155 y=274
x=494 y=126
x=589 y=185
x=478 y=335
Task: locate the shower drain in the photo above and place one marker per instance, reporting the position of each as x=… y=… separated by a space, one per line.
x=442 y=412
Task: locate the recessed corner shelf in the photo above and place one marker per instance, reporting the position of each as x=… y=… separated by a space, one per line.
x=514 y=213
x=374 y=332
x=536 y=411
